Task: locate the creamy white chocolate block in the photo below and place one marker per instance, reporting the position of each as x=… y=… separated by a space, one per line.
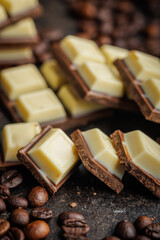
x=14 y=7
x=53 y=74
x=25 y=28
x=143 y=66
x=151 y=87
x=75 y=105
x=55 y=154
x=16 y=136
x=8 y=54
x=99 y=77
x=3 y=14
x=144 y=151
x=79 y=50
x=40 y=106
x=21 y=79
x=101 y=147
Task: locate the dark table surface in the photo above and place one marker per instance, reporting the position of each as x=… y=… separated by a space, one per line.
x=101 y=206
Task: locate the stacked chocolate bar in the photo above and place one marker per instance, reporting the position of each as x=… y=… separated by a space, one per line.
x=18 y=32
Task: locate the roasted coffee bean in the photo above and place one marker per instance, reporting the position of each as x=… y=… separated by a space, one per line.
x=125 y=230
x=4 y=192
x=16 y=234
x=153 y=231
x=11 y=178
x=2 y=206
x=111 y=238
x=102 y=39
x=139 y=237
x=153 y=30
x=85 y=9
x=42 y=213
x=19 y=217
x=125 y=7
x=38 y=197
x=36 y=230
x=14 y=202
x=89 y=27
x=106 y=28
x=69 y=215
x=4 y=227
x=141 y=222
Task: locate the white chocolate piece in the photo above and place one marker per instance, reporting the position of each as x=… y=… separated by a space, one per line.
x=74 y=103
x=143 y=66
x=151 y=88
x=16 y=136
x=101 y=147
x=3 y=14
x=40 y=106
x=25 y=28
x=55 y=154
x=100 y=78
x=144 y=151
x=79 y=50
x=22 y=79
x=53 y=74
x=15 y=54
x=15 y=7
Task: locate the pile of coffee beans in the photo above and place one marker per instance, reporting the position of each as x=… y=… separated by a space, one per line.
x=73 y=225
x=125 y=23
x=142 y=229
x=22 y=224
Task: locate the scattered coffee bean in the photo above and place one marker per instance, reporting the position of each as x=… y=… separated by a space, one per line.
x=153 y=231
x=69 y=215
x=2 y=206
x=141 y=222
x=4 y=227
x=19 y=217
x=14 y=202
x=11 y=178
x=139 y=237
x=4 y=192
x=111 y=238
x=16 y=234
x=36 y=230
x=38 y=197
x=41 y=213
x=125 y=230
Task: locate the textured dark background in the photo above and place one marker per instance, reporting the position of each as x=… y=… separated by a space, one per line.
x=101 y=206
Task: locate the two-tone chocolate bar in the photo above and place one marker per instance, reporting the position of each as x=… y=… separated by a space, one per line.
x=141 y=76
x=140 y=156
x=87 y=70
x=51 y=157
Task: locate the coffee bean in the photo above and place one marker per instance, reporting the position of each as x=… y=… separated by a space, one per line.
x=141 y=222
x=14 y=202
x=36 y=230
x=106 y=28
x=19 y=217
x=4 y=192
x=11 y=178
x=2 y=206
x=69 y=215
x=139 y=237
x=85 y=9
x=4 y=227
x=103 y=39
x=41 y=213
x=153 y=231
x=38 y=197
x=16 y=234
x=111 y=238
x=125 y=230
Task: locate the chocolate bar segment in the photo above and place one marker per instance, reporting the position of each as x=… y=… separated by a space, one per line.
x=136 y=90
x=139 y=154
x=86 y=93
x=3 y=15
x=51 y=157
x=105 y=163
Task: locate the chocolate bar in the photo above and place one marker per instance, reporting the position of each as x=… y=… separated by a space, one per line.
x=51 y=157
x=86 y=69
x=140 y=81
x=15 y=136
x=99 y=157
x=22 y=33
x=15 y=56
x=139 y=154
x=6 y=20
x=27 y=98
